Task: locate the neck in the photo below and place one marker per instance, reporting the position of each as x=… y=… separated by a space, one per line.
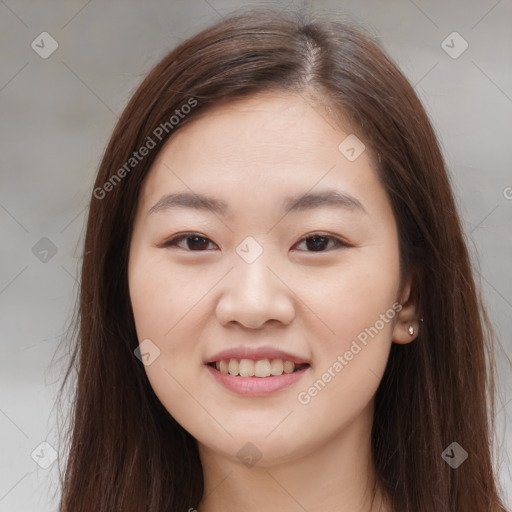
x=337 y=475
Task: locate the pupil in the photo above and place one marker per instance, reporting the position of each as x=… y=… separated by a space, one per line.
x=194 y=244
x=316 y=246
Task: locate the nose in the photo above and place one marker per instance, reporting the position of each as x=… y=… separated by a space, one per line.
x=255 y=293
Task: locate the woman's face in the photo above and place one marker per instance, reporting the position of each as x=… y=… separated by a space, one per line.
x=292 y=258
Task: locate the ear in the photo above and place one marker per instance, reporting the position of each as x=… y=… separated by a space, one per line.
x=408 y=316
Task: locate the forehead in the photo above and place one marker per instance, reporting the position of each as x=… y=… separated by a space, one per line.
x=270 y=141
x=282 y=124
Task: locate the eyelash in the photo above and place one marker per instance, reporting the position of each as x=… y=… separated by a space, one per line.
x=174 y=241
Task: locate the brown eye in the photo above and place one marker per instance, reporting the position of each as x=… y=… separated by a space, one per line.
x=318 y=242
x=193 y=241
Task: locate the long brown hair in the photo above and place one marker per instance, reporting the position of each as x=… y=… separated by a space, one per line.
x=125 y=451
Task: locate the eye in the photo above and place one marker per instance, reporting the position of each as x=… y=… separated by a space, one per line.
x=319 y=241
x=195 y=242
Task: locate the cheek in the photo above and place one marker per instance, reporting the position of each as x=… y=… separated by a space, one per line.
x=354 y=295
x=160 y=294
x=167 y=310
x=358 y=311
x=165 y=318
x=349 y=363
x=147 y=299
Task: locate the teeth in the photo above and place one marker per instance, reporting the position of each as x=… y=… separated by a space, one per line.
x=245 y=367
x=223 y=366
x=288 y=366
x=233 y=367
x=250 y=368
x=261 y=368
x=276 y=366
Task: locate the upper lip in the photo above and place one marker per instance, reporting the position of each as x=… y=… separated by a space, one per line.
x=255 y=353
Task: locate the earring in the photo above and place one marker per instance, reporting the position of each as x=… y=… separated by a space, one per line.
x=411 y=330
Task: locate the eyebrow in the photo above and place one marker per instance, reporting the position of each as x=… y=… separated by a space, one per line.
x=309 y=201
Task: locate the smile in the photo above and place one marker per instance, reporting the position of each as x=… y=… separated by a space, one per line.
x=259 y=368
x=256 y=378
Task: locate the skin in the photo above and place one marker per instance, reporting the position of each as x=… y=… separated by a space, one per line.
x=191 y=303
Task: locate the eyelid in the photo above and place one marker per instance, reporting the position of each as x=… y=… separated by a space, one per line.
x=338 y=241
x=173 y=241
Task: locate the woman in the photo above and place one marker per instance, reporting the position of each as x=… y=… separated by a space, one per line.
x=277 y=304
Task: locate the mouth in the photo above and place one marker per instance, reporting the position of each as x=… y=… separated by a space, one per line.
x=262 y=368
x=256 y=378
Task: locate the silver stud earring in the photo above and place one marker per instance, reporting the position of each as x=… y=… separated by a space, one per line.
x=411 y=330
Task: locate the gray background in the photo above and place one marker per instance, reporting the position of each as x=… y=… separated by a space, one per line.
x=57 y=114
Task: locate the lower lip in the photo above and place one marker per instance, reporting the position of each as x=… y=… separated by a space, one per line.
x=256 y=386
